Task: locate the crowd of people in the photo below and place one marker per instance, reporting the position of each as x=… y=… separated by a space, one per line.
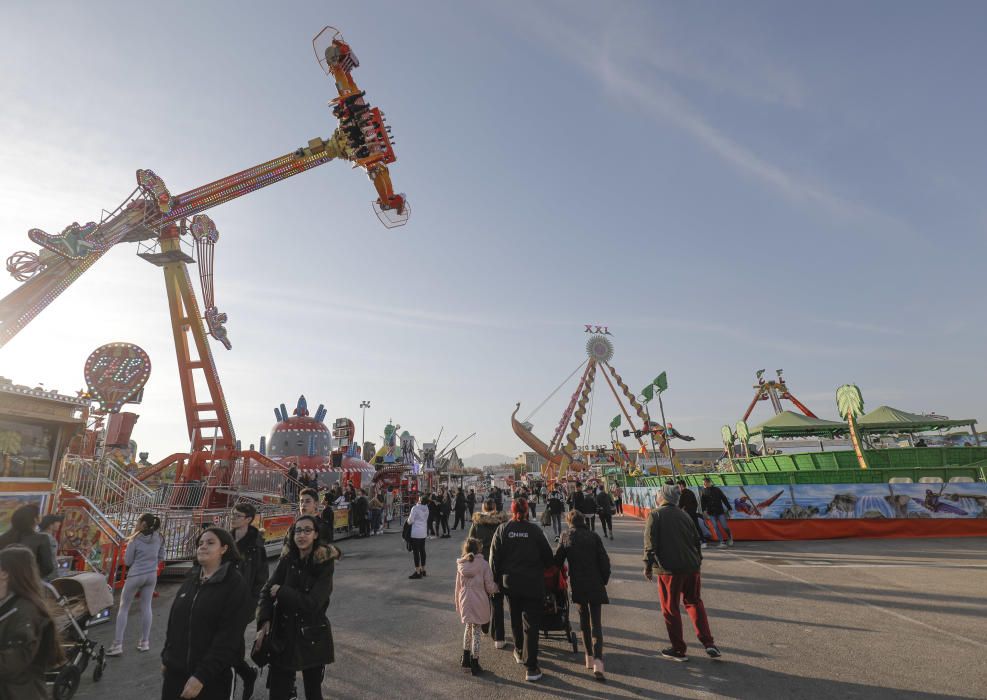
x=503 y=557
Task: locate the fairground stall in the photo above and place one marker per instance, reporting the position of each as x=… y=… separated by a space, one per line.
x=36 y=427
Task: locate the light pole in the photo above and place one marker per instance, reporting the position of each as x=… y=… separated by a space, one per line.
x=363 y=427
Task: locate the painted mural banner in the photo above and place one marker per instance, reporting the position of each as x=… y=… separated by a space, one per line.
x=842 y=501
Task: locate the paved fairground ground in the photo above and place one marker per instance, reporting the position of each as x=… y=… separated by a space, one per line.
x=819 y=619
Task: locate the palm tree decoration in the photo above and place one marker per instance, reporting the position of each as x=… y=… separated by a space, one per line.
x=727 y=436
x=850 y=404
x=744 y=435
x=10 y=443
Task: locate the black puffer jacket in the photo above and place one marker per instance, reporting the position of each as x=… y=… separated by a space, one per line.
x=604 y=503
x=206 y=624
x=589 y=565
x=23 y=632
x=484 y=526
x=298 y=612
x=519 y=554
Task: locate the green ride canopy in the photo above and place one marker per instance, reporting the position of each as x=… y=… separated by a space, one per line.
x=886 y=419
x=789 y=424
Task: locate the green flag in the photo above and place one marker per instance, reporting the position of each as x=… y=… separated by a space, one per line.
x=648 y=392
x=661 y=382
x=615 y=423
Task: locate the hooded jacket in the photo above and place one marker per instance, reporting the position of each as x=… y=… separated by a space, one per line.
x=519 y=554
x=298 y=612
x=483 y=528
x=144 y=553
x=589 y=565
x=474 y=586
x=22 y=632
x=206 y=624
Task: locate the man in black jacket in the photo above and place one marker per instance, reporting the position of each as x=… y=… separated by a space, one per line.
x=519 y=554
x=716 y=506
x=254 y=570
x=671 y=544
x=576 y=499
x=604 y=508
x=587 y=506
x=689 y=503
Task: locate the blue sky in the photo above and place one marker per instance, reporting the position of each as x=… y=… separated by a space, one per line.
x=727 y=187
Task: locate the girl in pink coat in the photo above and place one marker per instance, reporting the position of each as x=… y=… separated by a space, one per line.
x=474 y=586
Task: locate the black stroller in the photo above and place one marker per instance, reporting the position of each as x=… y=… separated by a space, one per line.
x=81 y=598
x=555 y=613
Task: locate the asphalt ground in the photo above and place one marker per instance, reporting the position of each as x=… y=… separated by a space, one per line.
x=819 y=619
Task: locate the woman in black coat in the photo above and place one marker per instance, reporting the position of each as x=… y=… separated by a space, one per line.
x=459 y=507
x=445 y=508
x=589 y=572
x=293 y=607
x=206 y=623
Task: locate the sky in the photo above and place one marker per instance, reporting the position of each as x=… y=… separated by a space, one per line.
x=727 y=187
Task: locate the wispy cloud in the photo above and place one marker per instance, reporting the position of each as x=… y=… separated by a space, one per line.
x=385 y=315
x=616 y=65
x=861 y=326
x=736 y=333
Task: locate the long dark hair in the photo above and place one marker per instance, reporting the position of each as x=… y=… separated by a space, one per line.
x=24 y=580
x=292 y=546
x=224 y=537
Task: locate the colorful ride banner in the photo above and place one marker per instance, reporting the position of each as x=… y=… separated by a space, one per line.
x=820 y=511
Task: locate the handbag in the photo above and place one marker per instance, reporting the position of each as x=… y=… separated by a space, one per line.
x=546 y=517
x=270 y=647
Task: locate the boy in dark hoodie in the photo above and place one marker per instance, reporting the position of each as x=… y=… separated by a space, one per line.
x=485 y=524
x=254 y=570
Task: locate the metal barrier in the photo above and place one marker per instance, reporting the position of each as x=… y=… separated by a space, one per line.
x=106 y=485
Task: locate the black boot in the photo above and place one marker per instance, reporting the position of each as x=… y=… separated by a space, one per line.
x=475 y=667
x=467 y=660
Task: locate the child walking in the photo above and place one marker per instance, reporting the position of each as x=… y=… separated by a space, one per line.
x=474 y=586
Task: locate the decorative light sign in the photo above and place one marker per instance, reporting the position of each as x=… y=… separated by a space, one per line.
x=116 y=374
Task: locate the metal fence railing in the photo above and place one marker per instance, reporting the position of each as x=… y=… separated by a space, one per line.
x=110 y=488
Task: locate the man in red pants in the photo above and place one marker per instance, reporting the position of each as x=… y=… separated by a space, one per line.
x=672 y=545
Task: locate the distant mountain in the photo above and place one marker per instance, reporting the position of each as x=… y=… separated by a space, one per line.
x=486 y=459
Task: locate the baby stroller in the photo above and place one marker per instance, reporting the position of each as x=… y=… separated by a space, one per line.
x=555 y=612
x=80 y=597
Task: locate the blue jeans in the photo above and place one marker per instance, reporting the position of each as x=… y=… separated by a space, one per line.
x=720 y=526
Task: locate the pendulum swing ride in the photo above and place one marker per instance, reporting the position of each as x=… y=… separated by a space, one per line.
x=158 y=221
x=561 y=454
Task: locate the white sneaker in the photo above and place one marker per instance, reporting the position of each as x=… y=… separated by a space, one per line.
x=115 y=650
x=500 y=645
x=518 y=659
x=723 y=545
x=143 y=646
x=702 y=545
